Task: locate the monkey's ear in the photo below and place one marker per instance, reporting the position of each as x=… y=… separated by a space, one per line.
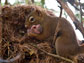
x=39 y=13
x=50 y=13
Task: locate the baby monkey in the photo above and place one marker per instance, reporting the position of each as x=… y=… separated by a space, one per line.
x=41 y=24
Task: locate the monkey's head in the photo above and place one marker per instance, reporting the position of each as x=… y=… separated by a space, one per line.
x=38 y=23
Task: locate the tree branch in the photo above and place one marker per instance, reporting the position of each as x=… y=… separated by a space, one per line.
x=50 y=54
x=72 y=16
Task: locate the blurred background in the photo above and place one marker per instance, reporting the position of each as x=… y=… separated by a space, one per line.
x=50 y=4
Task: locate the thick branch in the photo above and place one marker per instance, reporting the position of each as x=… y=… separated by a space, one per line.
x=72 y=16
x=0 y=2
x=80 y=13
x=6 y=2
x=0 y=34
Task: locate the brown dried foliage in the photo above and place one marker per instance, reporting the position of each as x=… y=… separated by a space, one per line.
x=13 y=19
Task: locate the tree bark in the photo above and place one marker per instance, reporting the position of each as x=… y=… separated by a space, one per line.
x=0 y=2
x=0 y=34
x=6 y=2
x=30 y=1
x=80 y=13
x=0 y=28
x=72 y=16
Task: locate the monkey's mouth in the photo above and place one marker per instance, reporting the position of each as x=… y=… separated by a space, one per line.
x=35 y=29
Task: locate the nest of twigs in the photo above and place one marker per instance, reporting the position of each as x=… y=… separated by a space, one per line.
x=13 y=19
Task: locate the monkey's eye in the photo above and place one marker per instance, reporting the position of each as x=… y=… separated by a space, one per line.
x=31 y=19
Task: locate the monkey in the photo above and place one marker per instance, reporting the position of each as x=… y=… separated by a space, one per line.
x=38 y=23
x=66 y=40
x=41 y=25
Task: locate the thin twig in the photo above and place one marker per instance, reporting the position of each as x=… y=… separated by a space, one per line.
x=50 y=54
x=80 y=13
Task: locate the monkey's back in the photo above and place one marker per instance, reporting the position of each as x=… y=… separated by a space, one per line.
x=66 y=42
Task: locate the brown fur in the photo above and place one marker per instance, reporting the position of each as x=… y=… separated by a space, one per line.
x=45 y=18
x=66 y=41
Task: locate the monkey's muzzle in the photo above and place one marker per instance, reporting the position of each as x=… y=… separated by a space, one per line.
x=35 y=29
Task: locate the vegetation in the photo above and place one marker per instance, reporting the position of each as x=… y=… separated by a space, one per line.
x=13 y=26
